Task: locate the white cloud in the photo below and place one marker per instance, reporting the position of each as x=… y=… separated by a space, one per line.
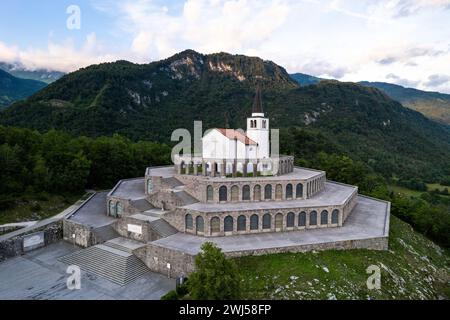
x=64 y=56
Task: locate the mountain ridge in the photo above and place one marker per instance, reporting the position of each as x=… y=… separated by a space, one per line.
x=149 y=101
x=13 y=89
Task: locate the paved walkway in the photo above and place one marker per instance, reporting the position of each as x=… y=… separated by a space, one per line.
x=39 y=275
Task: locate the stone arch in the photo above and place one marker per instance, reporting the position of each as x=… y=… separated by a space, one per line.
x=223 y=194
x=215 y=225
x=254 y=222
x=335 y=216
x=290 y=220
x=302 y=219
x=188 y=222
x=257 y=193
x=289 y=191
x=209 y=193
x=200 y=224
x=313 y=218
x=246 y=192
x=242 y=223
x=112 y=208
x=228 y=224
x=268 y=192
x=279 y=192
x=324 y=217
x=119 y=209
x=279 y=221
x=267 y=221
x=299 y=191
x=235 y=193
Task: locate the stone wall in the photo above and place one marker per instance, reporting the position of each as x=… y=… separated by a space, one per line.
x=196 y=186
x=177 y=219
x=148 y=234
x=182 y=264
x=78 y=234
x=11 y=247
x=156 y=258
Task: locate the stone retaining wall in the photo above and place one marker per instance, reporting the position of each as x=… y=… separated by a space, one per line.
x=182 y=264
x=12 y=247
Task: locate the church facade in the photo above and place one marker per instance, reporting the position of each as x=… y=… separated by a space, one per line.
x=240 y=196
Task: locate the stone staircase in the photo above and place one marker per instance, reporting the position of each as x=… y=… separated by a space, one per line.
x=105 y=233
x=185 y=198
x=162 y=228
x=118 y=266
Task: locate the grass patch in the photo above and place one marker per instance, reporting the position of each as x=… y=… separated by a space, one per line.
x=413 y=268
x=36 y=207
x=405 y=191
x=437 y=186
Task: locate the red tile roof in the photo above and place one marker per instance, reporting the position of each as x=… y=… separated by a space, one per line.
x=234 y=134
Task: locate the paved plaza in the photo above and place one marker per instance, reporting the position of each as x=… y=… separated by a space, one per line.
x=39 y=275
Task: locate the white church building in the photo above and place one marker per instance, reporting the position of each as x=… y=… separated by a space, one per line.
x=238 y=152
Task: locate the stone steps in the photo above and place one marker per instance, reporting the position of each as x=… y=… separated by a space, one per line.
x=105 y=233
x=118 y=266
x=163 y=228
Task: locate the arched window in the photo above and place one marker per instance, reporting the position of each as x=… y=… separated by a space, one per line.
x=279 y=192
x=313 y=218
x=215 y=225
x=302 y=219
x=149 y=186
x=299 y=191
x=254 y=222
x=267 y=221
x=335 y=216
x=279 y=221
x=324 y=217
x=234 y=193
x=242 y=223
x=246 y=193
x=264 y=124
x=209 y=193
x=257 y=193
x=119 y=209
x=223 y=194
x=289 y=191
x=290 y=220
x=112 y=208
x=188 y=222
x=200 y=224
x=228 y=224
x=268 y=192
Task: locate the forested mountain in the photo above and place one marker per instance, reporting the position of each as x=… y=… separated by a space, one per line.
x=19 y=71
x=434 y=105
x=149 y=101
x=305 y=79
x=13 y=89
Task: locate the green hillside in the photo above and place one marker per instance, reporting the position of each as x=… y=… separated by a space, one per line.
x=13 y=89
x=413 y=268
x=149 y=101
x=434 y=105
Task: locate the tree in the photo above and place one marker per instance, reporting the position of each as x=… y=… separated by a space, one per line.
x=216 y=277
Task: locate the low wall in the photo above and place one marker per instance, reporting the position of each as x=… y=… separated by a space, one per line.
x=156 y=257
x=14 y=246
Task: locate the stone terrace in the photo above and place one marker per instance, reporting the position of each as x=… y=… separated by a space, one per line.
x=369 y=220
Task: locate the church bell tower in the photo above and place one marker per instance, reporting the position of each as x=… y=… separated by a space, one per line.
x=258 y=127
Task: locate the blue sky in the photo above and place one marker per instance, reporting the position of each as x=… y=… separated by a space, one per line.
x=399 y=41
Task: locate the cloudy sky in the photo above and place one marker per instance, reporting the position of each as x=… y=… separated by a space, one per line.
x=399 y=41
